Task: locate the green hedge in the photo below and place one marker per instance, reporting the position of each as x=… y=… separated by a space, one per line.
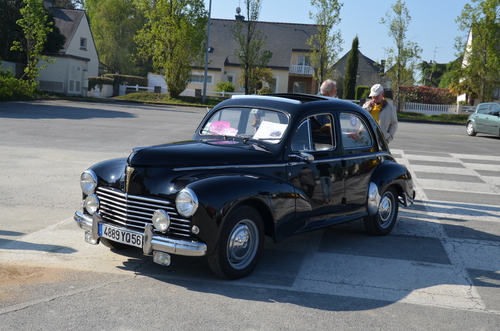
x=12 y=88
x=99 y=81
x=362 y=92
x=429 y=95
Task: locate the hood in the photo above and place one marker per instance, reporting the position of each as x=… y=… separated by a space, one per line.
x=200 y=153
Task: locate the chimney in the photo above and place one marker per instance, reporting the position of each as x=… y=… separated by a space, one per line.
x=382 y=66
x=239 y=17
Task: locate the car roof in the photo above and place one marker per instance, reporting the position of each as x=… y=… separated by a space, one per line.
x=292 y=103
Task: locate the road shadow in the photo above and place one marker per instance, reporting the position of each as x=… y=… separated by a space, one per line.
x=463 y=211
x=37 y=110
x=19 y=245
x=345 y=253
x=71 y=110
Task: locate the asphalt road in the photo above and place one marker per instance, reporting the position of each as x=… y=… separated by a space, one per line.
x=439 y=269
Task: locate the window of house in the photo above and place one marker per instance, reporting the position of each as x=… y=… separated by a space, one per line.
x=83 y=43
x=299 y=87
x=302 y=60
x=230 y=78
x=200 y=79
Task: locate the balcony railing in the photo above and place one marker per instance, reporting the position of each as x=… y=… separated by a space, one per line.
x=301 y=70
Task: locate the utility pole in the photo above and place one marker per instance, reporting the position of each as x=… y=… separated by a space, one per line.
x=206 y=53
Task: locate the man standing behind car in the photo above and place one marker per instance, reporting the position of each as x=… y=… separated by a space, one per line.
x=382 y=111
x=328 y=88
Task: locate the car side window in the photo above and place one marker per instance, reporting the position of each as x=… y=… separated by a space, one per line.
x=483 y=109
x=314 y=134
x=494 y=109
x=355 y=132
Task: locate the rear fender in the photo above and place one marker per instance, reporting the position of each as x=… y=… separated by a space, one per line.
x=390 y=173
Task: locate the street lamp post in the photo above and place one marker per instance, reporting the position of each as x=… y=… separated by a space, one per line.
x=206 y=52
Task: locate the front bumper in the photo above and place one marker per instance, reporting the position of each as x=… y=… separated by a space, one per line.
x=151 y=242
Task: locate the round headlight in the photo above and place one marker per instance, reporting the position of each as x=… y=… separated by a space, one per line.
x=88 y=182
x=91 y=203
x=186 y=202
x=161 y=220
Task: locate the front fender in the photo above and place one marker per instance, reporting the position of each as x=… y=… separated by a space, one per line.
x=267 y=196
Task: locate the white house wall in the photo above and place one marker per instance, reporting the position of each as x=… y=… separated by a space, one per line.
x=69 y=74
x=83 y=31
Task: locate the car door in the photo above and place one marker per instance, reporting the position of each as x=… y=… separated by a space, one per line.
x=480 y=117
x=360 y=159
x=492 y=119
x=316 y=170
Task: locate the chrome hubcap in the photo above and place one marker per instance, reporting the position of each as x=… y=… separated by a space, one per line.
x=385 y=209
x=242 y=244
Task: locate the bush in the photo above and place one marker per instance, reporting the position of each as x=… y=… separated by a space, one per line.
x=362 y=92
x=429 y=95
x=224 y=87
x=99 y=81
x=12 y=88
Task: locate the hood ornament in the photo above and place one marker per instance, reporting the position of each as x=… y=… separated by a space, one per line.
x=128 y=174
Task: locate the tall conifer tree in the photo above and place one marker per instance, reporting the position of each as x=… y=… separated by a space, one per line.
x=351 y=71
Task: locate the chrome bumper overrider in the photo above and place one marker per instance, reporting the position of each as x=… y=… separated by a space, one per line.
x=151 y=242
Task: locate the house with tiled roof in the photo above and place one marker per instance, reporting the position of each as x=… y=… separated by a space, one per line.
x=369 y=72
x=76 y=61
x=286 y=41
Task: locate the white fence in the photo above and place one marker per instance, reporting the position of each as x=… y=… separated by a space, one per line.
x=428 y=109
x=199 y=93
x=105 y=92
x=137 y=88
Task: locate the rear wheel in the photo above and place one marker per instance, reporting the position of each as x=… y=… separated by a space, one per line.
x=240 y=244
x=470 y=129
x=383 y=221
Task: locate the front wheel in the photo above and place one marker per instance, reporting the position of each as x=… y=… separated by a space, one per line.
x=383 y=221
x=240 y=244
x=470 y=129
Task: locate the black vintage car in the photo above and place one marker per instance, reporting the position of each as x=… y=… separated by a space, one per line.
x=276 y=165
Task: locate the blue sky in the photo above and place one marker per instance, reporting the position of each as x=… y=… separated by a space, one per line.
x=432 y=27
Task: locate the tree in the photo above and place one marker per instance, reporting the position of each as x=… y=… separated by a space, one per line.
x=251 y=42
x=114 y=24
x=432 y=73
x=402 y=59
x=351 y=71
x=450 y=77
x=325 y=45
x=174 y=38
x=35 y=28
x=10 y=31
x=480 y=73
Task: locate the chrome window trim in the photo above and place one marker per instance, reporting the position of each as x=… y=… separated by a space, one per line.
x=265 y=97
x=249 y=166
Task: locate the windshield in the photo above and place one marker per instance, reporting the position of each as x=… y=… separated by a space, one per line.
x=250 y=123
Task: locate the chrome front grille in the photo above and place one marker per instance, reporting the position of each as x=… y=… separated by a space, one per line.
x=134 y=212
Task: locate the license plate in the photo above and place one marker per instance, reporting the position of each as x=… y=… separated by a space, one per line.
x=120 y=235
